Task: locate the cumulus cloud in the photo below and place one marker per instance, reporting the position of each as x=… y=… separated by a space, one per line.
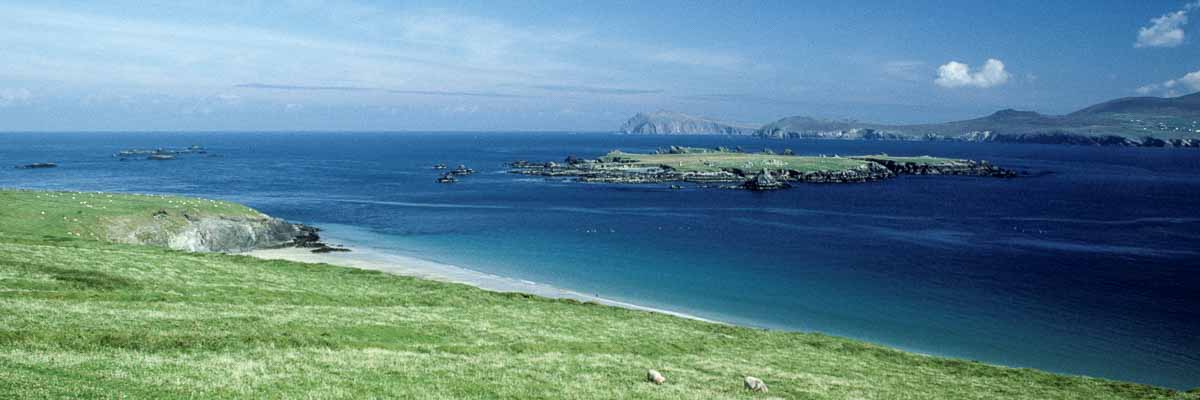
x=9 y=97
x=1190 y=82
x=955 y=74
x=1166 y=30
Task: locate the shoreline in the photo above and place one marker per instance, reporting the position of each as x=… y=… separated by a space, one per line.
x=370 y=259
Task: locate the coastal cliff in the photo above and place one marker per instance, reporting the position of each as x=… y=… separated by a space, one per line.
x=179 y=223
x=209 y=234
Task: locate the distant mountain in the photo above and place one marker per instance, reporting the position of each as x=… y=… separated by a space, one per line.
x=1131 y=121
x=675 y=123
x=1182 y=105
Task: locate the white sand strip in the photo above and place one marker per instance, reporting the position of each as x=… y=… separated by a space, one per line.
x=415 y=267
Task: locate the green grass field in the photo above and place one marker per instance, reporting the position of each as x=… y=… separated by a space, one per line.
x=82 y=318
x=749 y=162
x=88 y=215
x=926 y=160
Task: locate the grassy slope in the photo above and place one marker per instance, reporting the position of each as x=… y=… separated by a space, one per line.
x=86 y=214
x=928 y=160
x=83 y=318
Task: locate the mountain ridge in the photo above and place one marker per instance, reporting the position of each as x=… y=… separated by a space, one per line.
x=1127 y=121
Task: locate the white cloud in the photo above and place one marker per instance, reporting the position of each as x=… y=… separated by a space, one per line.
x=1190 y=82
x=10 y=97
x=955 y=74
x=1164 y=31
x=1167 y=30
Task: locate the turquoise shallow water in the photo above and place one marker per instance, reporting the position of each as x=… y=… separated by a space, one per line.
x=1088 y=269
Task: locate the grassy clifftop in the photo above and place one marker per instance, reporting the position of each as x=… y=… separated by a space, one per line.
x=100 y=216
x=83 y=318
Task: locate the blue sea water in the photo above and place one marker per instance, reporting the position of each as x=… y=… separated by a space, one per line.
x=1091 y=267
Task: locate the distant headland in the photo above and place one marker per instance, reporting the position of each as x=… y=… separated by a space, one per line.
x=1130 y=121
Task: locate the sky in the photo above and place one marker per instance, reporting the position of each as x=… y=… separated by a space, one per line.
x=573 y=65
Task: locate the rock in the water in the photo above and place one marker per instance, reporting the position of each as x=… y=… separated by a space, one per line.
x=38 y=165
x=764 y=181
x=755 y=385
x=655 y=377
x=327 y=249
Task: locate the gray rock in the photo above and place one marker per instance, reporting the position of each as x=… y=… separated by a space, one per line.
x=220 y=234
x=755 y=385
x=234 y=235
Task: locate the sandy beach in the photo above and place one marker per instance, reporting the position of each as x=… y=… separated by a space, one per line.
x=416 y=267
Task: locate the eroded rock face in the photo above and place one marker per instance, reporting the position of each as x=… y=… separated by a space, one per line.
x=212 y=234
x=234 y=235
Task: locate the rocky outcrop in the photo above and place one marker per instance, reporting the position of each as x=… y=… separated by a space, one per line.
x=869 y=172
x=234 y=235
x=674 y=123
x=764 y=181
x=225 y=234
x=960 y=167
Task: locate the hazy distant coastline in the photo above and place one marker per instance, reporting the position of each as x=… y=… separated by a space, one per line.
x=1131 y=121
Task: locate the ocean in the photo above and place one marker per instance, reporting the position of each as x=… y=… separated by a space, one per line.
x=1089 y=266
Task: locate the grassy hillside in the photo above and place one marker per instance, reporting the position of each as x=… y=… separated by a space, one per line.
x=1135 y=118
x=83 y=318
x=751 y=162
x=90 y=215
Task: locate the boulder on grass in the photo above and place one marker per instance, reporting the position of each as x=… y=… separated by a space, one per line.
x=755 y=385
x=655 y=377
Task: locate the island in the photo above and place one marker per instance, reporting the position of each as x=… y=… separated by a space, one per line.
x=766 y=170
x=676 y=123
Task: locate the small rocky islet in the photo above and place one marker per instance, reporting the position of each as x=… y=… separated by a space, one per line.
x=39 y=165
x=762 y=171
x=452 y=175
x=159 y=154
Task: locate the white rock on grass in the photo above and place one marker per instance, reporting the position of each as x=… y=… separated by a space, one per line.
x=755 y=385
x=655 y=377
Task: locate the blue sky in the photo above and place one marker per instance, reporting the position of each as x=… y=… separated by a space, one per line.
x=566 y=65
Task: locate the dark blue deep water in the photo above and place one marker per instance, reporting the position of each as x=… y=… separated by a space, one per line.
x=1091 y=269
